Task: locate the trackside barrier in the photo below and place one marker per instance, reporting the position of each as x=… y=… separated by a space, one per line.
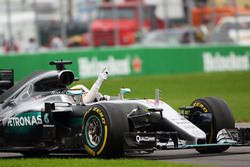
x=88 y=63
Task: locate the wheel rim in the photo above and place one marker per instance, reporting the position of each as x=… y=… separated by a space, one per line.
x=93 y=131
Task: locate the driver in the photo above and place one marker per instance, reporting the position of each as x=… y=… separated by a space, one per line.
x=90 y=95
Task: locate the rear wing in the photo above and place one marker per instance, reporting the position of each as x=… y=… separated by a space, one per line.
x=6 y=79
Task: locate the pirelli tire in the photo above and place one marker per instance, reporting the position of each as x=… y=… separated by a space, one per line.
x=103 y=131
x=213 y=115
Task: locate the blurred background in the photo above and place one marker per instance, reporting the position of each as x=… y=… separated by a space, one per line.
x=143 y=43
x=43 y=25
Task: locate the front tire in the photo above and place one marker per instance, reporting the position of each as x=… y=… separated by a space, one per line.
x=211 y=114
x=103 y=131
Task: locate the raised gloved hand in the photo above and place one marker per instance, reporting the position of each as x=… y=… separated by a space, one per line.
x=103 y=75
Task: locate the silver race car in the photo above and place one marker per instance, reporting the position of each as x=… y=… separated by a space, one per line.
x=42 y=115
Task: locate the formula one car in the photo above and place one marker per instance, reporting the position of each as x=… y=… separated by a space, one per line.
x=38 y=116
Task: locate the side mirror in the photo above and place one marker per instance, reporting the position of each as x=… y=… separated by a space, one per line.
x=77 y=93
x=124 y=91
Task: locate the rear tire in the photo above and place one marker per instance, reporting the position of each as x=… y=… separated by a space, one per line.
x=211 y=114
x=103 y=131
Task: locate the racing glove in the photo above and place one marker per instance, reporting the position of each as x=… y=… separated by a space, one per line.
x=103 y=75
x=91 y=95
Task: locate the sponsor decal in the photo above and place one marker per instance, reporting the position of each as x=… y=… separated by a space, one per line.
x=137 y=64
x=152 y=102
x=230 y=62
x=92 y=67
x=197 y=104
x=48 y=126
x=99 y=111
x=89 y=150
x=46 y=118
x=25 y=121
x=139 y=138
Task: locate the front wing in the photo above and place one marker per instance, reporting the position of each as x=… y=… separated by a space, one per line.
x=150 y=141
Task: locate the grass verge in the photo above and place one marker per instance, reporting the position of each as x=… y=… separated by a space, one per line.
x=181 y=90
x=87 y=163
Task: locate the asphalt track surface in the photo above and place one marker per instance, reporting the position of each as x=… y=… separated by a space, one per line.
x=234 y=156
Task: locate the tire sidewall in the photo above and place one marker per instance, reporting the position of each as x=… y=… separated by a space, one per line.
x=221 y=118
x=221 y=115
x=202 y=106
x=99 y=113
x=114 y=123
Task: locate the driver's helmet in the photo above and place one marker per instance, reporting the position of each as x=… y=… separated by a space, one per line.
x=82 y=88
x=77 y=90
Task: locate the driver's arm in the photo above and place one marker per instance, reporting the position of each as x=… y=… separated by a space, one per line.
x=91 y=95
